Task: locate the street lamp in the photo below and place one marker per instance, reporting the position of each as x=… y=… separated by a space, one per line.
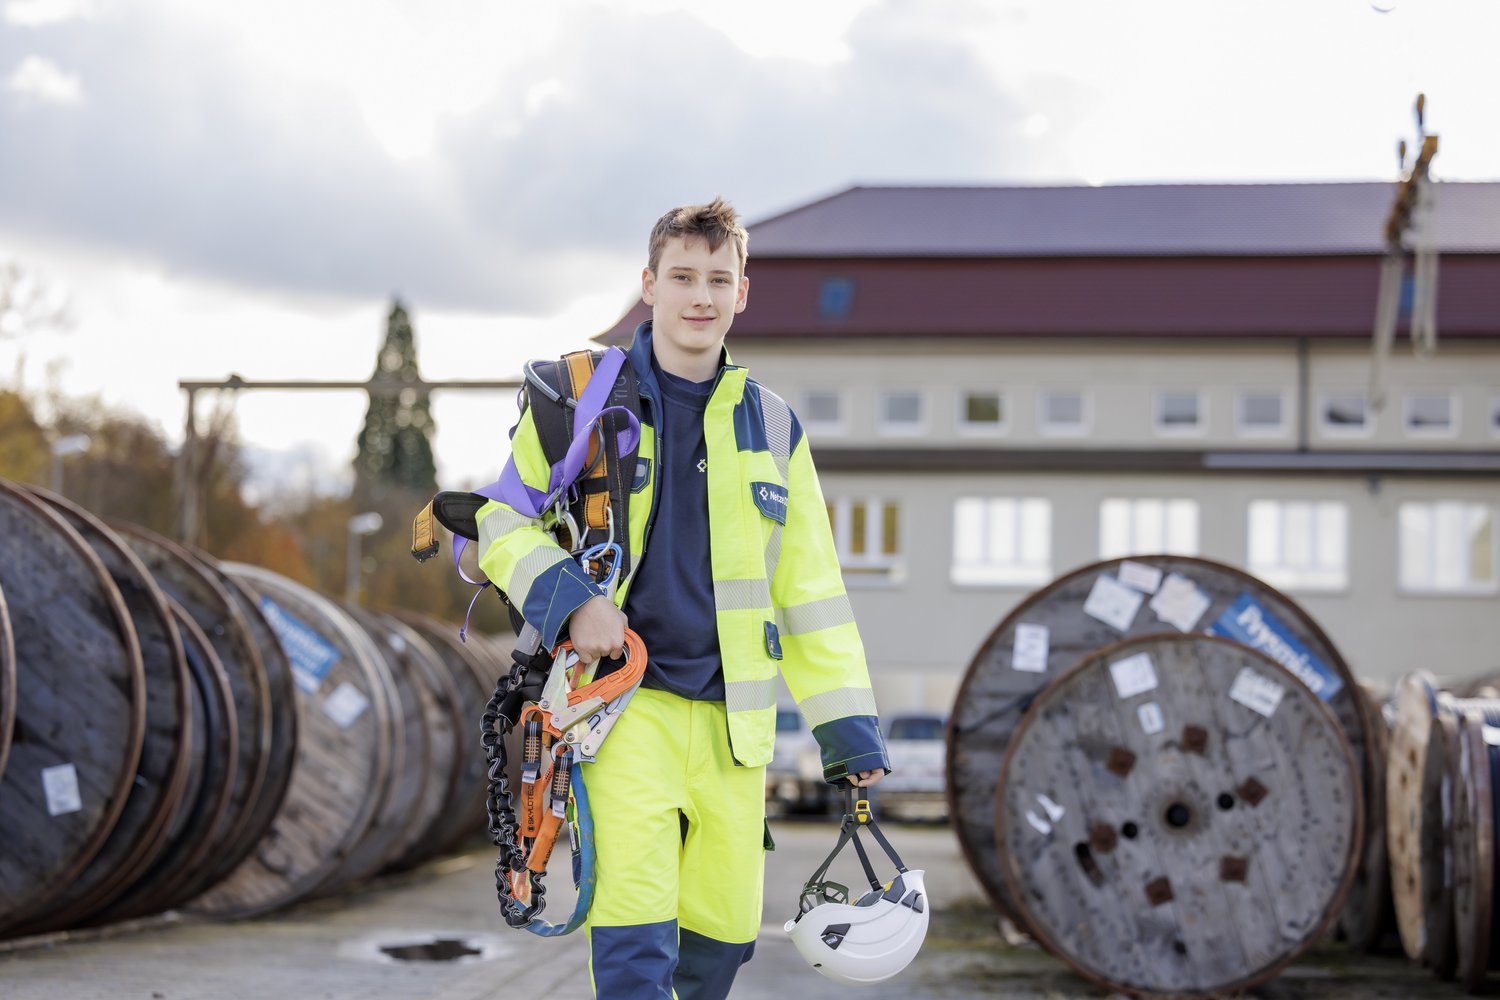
x=72 y=444
x=359 y=525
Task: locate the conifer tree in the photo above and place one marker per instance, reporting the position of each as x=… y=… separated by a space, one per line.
x=395 y=446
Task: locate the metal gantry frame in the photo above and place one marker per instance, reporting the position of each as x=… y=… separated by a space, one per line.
x=188 y=515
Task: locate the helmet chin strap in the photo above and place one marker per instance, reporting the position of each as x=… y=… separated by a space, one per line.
x=857 y=815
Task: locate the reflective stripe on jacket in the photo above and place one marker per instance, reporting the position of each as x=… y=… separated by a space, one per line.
x=778 y=591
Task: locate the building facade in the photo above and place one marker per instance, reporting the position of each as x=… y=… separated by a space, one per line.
x=1004 y=384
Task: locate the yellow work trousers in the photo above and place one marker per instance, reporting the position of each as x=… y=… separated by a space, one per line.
x=680 y=841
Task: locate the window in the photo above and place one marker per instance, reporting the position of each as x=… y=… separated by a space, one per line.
x=902 y=411
x=1002 y=540
x=836 y=298
x=1448 y=547
x=822 y=409
x=1300 y=544
x=1147 y=527
x=866 y=533
x=1261 y=414
x=1062 y=411
x=981 y=411
x=1179 y=413
x=1345 y=414
x=1430 y=414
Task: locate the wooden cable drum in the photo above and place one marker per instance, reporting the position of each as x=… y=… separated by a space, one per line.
x=341 y=770
x=1177 y=814
x=473 y=674
x=282 y=750
x=7 y=684
x=441 y=728
x=448 y=743
x=80 y=705
x=407 y=746
x=1416 y=706
x=1436 y=853
x=1368 y=919
x=1420 y=816
x=1088 y=609
x=1476 y=878
x=183 y=576
x=139 y=835
x=205 y=800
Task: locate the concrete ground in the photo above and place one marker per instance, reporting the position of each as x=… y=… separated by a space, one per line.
x=332 y=949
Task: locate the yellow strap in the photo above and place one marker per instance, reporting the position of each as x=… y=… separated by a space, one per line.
x=424 y=544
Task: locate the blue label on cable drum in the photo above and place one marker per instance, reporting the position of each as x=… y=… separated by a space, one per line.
x=1248 y=623
x=311 y=655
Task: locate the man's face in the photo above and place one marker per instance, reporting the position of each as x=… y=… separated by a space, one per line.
x=694 y=296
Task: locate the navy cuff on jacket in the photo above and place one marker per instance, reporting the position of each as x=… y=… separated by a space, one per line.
x=559 y=591
x=851 y=745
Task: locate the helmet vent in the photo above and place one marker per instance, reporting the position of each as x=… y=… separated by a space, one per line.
x=833 y=934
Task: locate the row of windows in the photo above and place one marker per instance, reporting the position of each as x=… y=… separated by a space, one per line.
x=1445 y=547
x=1067 y=412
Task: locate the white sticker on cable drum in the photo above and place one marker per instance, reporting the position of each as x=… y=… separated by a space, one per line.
x=1113 y=603
x=1141 y=576
x=1491 y=735
x=1133 y=675
x=1180 y=603
x=345 y=705
x=1256 y=691
x=1151 y=718
x=60 y=784
x=1029 y=652
x=1037 y=823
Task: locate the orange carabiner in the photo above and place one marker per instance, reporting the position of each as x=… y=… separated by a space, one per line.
x=611 y=686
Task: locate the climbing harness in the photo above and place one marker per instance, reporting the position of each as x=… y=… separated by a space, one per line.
x=874 y=937
x=586 y=411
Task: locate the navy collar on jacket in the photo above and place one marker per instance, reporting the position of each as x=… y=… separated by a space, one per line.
x=640 y=359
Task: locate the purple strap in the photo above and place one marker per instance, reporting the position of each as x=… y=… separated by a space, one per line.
x=511 y=490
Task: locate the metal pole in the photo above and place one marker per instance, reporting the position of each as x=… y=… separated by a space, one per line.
x=187 y=475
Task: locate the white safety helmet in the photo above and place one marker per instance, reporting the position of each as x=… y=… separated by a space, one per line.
x=873 y=938
x=868 y=941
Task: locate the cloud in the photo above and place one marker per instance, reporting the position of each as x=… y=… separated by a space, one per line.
x=38 y=79
x=39 y=13
x=192 y=152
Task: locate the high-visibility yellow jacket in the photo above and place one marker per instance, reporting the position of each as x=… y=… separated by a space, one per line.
x=778 y=592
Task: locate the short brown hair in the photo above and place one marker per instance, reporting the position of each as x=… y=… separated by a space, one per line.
x=715 y=222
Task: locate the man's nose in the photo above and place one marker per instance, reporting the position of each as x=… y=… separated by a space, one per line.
x=700 y=294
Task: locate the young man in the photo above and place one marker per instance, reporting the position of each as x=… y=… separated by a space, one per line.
x=735 y=575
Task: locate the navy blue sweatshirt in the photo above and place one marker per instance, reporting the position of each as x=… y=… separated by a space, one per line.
x=671 y=599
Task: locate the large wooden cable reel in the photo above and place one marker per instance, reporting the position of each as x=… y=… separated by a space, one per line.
x=342 y=765
x=1177 y=814
x=139 y=834
x=79 y=705
x=1190 y=595
x=1476 y=776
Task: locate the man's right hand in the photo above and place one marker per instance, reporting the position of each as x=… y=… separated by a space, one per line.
x=597 y=630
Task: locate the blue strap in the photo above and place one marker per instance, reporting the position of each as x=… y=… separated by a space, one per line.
x=583 y=863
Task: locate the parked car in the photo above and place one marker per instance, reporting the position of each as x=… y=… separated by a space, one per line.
x=794 y=778
x=915 y=787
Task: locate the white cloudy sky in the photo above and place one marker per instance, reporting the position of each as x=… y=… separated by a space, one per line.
x=240 y=187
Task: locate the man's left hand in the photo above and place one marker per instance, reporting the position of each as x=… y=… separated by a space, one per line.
x=865 y=779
